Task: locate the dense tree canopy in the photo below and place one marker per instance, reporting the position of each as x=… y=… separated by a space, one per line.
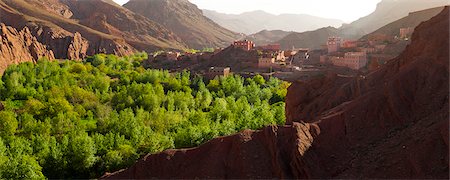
x=72 y=119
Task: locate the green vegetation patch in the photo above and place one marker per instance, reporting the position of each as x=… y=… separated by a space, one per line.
x=81 y=119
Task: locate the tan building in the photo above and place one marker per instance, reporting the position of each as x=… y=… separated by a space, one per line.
x=334 y=44
x=266 y=62
x=173 y=56
x=167 y=56
x=245 y=44
x=218 y=71
x=280 y=56
x=352 y=60
x=367 y=50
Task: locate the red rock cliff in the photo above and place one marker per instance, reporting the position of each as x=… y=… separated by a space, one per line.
x=20 y=46
x=271 y=152
x=392 y=123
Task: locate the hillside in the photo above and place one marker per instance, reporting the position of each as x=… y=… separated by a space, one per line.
x=76 y=29
x=235 y=58
x=185 y=20
x=256 y=21
x=310 y=39
x=265 y=37
x=339 y=127
x=388 y=11
x=412 y=20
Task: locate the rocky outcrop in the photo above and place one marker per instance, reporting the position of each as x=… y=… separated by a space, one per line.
x=235 y=58
x=391 y=123
x=267 y=153
x=20 y=46
x=65 y=45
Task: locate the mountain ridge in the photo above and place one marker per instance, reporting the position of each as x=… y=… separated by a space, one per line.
x=305 y=40
x=186 y=20
x=255 y=21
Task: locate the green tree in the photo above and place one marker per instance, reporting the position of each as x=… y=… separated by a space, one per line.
x=8 y=124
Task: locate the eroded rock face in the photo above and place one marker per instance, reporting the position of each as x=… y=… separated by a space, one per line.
x=65 y=45
x=20 y=46
x=392 y=123
x=271 y=152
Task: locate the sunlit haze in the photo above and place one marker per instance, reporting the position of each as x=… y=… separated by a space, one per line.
x=346 y=10
x=121 y=2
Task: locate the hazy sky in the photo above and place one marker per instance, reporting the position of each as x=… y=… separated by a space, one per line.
x=346 y=10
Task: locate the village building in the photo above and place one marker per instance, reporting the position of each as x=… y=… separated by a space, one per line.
x=367 y=50
x=167 y=56
x=218 y=71
x=303 y=53
x=245 y=45
x=280 y=56
x=352 y=60
x=266 y=62
x=334 y=44
x=289 y=53
x=172 y=56
x=406 y=32
x=337 y=61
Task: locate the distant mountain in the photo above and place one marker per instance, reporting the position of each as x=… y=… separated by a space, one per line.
x=308 y=39
x=265 y=37
x=185 y=20
x=412 y=20
x=255 y=21
x=388 y=11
